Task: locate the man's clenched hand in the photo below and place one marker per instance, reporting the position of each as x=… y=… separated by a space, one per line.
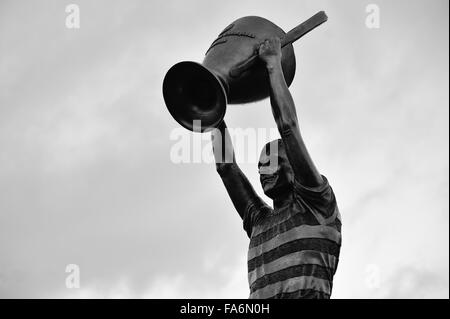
x=270 y=52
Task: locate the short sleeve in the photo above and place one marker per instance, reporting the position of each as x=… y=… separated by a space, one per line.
x=255 y=211
x=319 y=200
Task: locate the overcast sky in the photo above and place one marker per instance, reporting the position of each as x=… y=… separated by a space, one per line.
x=85 y=171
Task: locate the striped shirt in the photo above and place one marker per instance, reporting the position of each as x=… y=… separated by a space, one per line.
x=294 y=252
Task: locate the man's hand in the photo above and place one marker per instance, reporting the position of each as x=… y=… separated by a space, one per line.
x=270 y=52
x=222 y=146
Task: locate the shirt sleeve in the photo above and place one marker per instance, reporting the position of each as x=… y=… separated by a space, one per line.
x=255 y=211
x=318 y=200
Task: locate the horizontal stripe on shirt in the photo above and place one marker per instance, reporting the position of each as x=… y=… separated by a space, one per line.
x=283 y=220
x=299 y=232
x=291 y=285
x=295 y=220
x=302 y=294
x=310 y=257
x=321 y=245
x=316 y=271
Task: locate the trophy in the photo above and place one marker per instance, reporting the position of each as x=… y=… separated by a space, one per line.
x=230 y=73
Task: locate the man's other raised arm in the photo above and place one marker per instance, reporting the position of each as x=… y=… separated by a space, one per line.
x=285 y=115
x=238 y=187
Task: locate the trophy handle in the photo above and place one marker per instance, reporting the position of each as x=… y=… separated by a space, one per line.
x=293 y=35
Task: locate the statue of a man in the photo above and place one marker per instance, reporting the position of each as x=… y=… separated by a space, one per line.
x=294 y=246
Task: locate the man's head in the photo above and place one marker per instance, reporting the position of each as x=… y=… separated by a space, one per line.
x=275 y=172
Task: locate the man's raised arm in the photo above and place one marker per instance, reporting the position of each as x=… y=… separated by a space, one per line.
x=238 y=187
x=283 y=109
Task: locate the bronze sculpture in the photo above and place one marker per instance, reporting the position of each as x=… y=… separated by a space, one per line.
x=294 y=245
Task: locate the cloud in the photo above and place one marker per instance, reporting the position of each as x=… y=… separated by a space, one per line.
x=85 y=170
x=415 y=283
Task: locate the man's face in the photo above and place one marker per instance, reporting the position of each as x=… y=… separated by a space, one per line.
x=275 y=172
